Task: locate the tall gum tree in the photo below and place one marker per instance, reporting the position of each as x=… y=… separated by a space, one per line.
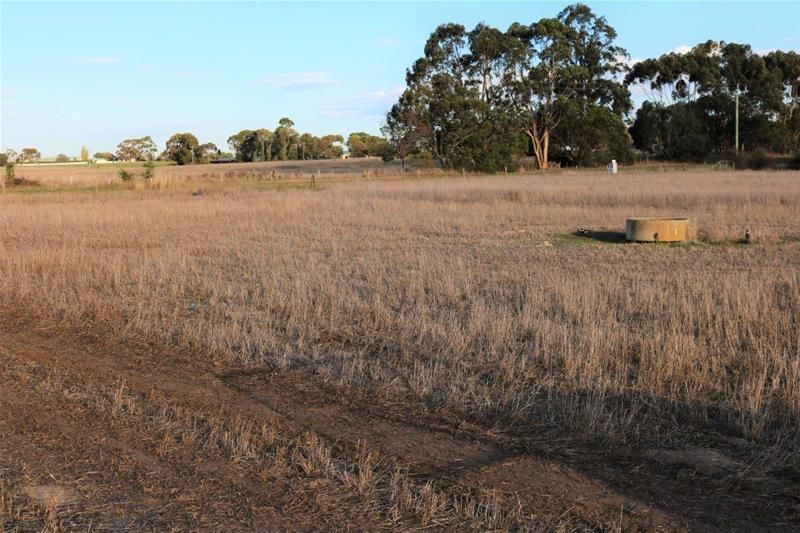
x=701 y=85
x=453 y=105
x=564 y=65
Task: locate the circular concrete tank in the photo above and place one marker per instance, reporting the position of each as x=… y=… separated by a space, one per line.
x=657 y=229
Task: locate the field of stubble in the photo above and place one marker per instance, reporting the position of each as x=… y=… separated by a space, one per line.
x=402 y=354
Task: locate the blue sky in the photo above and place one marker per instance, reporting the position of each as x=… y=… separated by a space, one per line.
x=96 y=73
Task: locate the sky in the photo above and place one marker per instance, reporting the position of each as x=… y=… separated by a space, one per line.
x=74 y=73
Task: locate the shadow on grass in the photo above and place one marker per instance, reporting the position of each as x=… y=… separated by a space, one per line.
x=599 y=236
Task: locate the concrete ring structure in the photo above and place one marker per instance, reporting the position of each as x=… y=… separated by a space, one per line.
x=652 y=229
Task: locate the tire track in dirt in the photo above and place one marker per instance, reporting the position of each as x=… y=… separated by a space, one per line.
x=548 y=489
x=114 y=473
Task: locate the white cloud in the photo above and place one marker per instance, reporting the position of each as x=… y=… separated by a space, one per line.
x=387 y=41
x=363 y=104
x=300 y=80
x=100 y=60
x=682 y=49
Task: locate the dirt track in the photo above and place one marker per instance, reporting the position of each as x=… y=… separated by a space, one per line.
x=98 y=433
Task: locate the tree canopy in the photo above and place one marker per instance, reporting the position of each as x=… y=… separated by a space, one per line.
x=141 y=149
x=691 y=101
x=480 y=99
x=284 y=143
x=30 y=155
x=360 y=144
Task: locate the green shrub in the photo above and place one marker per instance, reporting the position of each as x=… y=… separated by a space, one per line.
x=148 y=170
x=124 y=175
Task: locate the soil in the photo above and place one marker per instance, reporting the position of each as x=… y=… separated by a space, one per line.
x=68 y=462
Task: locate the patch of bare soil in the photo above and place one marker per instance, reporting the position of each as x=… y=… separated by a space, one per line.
x=99 y=433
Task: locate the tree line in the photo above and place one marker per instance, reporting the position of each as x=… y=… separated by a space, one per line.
x=282 y=144
x=691 y=101
x=285 y=143
x=559 y=89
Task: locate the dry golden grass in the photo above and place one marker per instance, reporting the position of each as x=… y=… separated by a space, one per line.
x=171 y=176
x=470 y=296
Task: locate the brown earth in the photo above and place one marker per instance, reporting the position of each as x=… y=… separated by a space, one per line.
x=100 y=434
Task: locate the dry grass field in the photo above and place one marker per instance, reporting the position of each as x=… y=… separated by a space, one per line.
x=401 y=354
x=172 y=176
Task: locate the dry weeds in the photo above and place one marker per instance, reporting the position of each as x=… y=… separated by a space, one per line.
x=468 y=295
x=378 y=487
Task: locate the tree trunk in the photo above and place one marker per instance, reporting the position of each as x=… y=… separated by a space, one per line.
x=540 y=139
x=541 y=145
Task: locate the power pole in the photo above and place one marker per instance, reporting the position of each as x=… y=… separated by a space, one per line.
x=736 y=139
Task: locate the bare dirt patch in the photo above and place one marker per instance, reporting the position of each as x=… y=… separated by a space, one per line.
x=112 y=458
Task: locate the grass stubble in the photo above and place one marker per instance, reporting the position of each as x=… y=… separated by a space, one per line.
x=455 y=294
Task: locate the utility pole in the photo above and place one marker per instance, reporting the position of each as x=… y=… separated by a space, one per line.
x=736 y=139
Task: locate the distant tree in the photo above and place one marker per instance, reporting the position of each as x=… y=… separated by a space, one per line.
x=205 y=152
x=30 y=155
x=286 y=140
x=183 y=148
x=108 y=156
x=12 y=155
x=691 y=107
x=84 y=153
x=360 y=144
x=62 y=158
x=325 y=147
x=141 y=149
x=3 y=159
x=252 y=145
x=283 y=144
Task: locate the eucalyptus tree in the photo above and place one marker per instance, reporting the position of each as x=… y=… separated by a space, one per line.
x=30 y=155
x=325 y=147
x=138 y=149
x=253 y=145
x=693 y=99
x=183 y=148
x=404 y=132
x=286 y=140
x=477 y=99
x=361 y=144
x=566 y=67
x=453 y=105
